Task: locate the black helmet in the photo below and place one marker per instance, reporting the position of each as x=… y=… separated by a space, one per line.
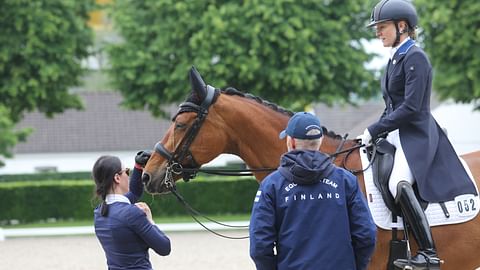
x=394 y=10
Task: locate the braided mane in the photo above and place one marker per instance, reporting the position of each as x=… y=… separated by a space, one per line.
x=234 y=92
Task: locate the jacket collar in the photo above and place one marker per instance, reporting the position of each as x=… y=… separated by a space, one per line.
x=402 y=50
x=405 y=47
x=113 y=198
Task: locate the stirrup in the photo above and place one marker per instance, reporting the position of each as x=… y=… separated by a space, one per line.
x=432 y=262
x=431 y=259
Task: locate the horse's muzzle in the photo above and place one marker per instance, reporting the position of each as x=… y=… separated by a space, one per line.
x=154 y=186
x=145 y=178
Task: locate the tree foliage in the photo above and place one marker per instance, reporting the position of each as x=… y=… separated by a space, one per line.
x=290 y=52
x=451 y=35
x=41 y=45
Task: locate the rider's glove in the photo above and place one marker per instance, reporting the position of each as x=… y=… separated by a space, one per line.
x=366 y=137
x=141 y=158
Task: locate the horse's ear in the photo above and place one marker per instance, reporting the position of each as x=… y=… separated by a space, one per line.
x=198 y=85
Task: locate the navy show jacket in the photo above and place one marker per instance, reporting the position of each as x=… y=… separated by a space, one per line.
x=126 y=234
x=406 y=88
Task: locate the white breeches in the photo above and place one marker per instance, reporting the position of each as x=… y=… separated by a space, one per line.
x=401 y=171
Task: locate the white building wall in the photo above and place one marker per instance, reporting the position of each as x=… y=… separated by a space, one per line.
x=462 y=124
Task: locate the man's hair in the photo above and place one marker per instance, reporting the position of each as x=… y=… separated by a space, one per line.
x=314 y=144
x=307 y=144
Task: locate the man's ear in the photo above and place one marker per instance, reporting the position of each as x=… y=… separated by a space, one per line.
x=291 y=143
x=320 y=144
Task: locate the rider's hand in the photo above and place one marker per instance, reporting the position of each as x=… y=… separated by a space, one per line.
x=146 y=210
x=366 y=137
x=142 y=157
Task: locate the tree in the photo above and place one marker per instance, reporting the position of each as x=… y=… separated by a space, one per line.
x=451 y=37
x=41 y=45
x=287 y=51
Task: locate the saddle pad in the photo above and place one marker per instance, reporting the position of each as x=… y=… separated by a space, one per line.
x=462 y=209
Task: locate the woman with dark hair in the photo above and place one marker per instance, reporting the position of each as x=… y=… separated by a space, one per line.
x=124 y=226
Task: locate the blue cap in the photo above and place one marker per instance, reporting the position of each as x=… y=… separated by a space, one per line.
x=300 y=126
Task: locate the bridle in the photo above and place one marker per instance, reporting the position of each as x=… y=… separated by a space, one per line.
x=182 y=152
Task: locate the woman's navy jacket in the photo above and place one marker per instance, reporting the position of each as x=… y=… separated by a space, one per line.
x=126 y=234
x=406 y=88
x=313 y=214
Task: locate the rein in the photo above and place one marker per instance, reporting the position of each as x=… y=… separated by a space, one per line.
x=228 y=172
x=170 y=184
x=194 y=213
x=350 y=151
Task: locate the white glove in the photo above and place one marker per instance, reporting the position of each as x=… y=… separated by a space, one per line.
x=366 y=137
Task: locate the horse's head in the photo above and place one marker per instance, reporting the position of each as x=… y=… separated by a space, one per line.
x=194 y=138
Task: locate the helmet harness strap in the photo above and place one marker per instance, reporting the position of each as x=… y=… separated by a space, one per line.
x=398 y=33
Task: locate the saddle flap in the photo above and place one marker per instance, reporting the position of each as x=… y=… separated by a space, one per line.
x=382 y=156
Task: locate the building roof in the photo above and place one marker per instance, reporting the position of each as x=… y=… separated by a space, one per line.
x=349 y=119
x=102 y=126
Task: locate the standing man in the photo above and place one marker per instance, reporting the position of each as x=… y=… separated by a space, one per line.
x=310 y=214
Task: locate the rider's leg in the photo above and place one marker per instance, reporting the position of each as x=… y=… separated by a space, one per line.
x=401 y=170
x=400 y=186
x=415 y=216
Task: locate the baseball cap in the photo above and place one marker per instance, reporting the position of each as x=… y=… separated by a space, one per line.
x=300 y=125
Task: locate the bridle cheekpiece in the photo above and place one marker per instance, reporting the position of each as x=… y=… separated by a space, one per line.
x=182 y=156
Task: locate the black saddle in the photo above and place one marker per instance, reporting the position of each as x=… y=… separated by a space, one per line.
x=383 y=155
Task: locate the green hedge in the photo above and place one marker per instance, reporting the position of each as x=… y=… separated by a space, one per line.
x=36 y=201
x=41 y=176
x=45 y=176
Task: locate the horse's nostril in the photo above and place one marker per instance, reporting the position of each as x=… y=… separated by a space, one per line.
x=145 y=178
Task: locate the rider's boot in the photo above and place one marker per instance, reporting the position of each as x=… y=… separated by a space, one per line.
x=426 y=257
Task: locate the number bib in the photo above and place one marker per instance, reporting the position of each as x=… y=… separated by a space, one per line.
x=467 y=204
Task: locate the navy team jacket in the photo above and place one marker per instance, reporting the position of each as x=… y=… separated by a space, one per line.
x=126 y=234
x=315 y=216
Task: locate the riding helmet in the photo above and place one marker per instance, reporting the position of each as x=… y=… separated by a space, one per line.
x=394 y=10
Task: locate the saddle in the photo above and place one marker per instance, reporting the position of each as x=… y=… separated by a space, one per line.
x=383 y=154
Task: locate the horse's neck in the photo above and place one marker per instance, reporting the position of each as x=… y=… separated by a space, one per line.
x=253 y=133
x=333 y=145
x=330 y=145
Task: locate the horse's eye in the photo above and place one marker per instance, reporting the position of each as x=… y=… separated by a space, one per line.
x=180 y=125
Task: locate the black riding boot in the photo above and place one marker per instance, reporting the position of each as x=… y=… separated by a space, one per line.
x=415 y=216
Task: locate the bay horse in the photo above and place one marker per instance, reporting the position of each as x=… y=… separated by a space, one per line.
x=212 y=122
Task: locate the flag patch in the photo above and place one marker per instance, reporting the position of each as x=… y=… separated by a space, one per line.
x=257 y=197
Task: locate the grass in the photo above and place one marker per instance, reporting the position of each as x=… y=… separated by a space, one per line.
x=160 y=220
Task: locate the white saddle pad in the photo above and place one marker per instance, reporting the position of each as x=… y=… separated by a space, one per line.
x=462 y=209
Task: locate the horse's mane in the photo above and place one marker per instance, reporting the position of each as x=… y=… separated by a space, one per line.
x=232 y=91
